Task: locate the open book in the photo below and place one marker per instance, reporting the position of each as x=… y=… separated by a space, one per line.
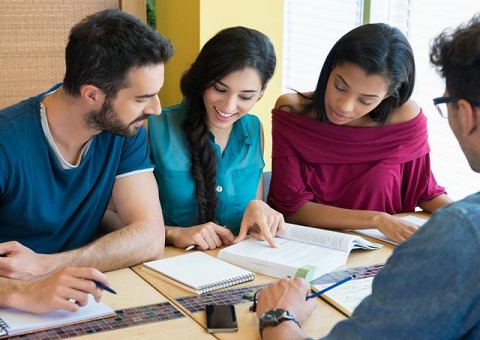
x=375 y=233
x=198 y=272
x=16 y=322
x=346 y=297
x=301 y=251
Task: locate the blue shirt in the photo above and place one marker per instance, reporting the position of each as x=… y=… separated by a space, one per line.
x=430 y=286
x=238 y=169
x=45 y=207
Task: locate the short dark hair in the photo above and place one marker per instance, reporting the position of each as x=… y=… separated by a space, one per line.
x=456 y=56
x=379 y=49
x=232 y=49
x=105 y=46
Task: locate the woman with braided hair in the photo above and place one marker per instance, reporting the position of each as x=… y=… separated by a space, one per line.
x=208 y=150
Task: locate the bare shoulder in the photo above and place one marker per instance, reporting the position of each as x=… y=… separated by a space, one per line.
x=404 y=113
x=290 y=102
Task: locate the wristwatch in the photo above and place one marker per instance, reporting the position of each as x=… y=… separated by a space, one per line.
x=274 y=317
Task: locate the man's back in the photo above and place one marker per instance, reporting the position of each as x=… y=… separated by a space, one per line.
x=429 y=289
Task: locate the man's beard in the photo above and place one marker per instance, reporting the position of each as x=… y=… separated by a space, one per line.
x=106 y=119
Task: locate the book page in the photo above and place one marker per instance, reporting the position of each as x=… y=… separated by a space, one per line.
x=325 y=238
x=285 y=260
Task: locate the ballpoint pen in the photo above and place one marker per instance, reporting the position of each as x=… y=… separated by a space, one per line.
x=348 y=278
x=104 y=287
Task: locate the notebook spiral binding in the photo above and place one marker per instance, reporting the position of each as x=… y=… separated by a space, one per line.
x=226 y=283
x=3 y=327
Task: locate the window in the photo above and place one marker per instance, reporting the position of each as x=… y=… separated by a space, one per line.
x=311 y=29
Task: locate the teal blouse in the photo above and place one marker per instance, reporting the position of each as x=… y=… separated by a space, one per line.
x=238 y=169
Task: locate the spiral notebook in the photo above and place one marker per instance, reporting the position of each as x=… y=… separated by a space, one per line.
x=16 y=322
x=199 y=272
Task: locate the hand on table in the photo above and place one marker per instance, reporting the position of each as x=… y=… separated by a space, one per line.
x=205 y=236
x=396 y=228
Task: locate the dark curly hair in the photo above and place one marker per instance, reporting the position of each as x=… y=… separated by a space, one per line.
x=456 y=56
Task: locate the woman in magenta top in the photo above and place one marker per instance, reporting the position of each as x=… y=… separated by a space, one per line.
x=355 y=151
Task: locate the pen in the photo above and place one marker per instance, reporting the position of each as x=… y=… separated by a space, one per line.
x=348 y=278
x=104 y=287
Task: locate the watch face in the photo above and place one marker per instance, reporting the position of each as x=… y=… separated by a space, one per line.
x=274 y=317
x=271 y=318
x=278 y=312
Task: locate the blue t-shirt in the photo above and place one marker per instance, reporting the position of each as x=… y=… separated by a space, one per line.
x=45 y=207
x=238 y=169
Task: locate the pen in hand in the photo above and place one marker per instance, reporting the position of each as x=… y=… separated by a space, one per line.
x=348 y=278
x=104 y=287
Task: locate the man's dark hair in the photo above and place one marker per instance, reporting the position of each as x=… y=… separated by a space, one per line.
x=105 y=46
x=456 y=55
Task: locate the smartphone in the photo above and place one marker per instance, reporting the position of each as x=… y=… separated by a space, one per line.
x=221 y=318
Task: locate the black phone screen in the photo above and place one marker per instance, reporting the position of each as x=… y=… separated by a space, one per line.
x=221 y=318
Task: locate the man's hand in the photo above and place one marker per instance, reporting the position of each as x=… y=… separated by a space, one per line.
x=67 y=289
x=288 y=294
x=21 y=263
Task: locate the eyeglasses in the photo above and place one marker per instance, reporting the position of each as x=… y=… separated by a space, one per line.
x=441 y=104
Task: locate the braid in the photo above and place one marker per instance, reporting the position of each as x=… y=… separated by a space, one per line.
x=204 y=164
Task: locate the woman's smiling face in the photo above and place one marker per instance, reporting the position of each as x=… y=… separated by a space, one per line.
x=231 y=97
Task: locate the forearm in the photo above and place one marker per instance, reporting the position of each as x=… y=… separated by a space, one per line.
x=135 y=243
x=324 y=216
x=435 y=203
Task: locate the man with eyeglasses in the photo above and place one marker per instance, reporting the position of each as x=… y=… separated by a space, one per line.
x=430 y=286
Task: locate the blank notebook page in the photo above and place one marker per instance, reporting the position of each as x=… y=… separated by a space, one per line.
x=201 y=271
